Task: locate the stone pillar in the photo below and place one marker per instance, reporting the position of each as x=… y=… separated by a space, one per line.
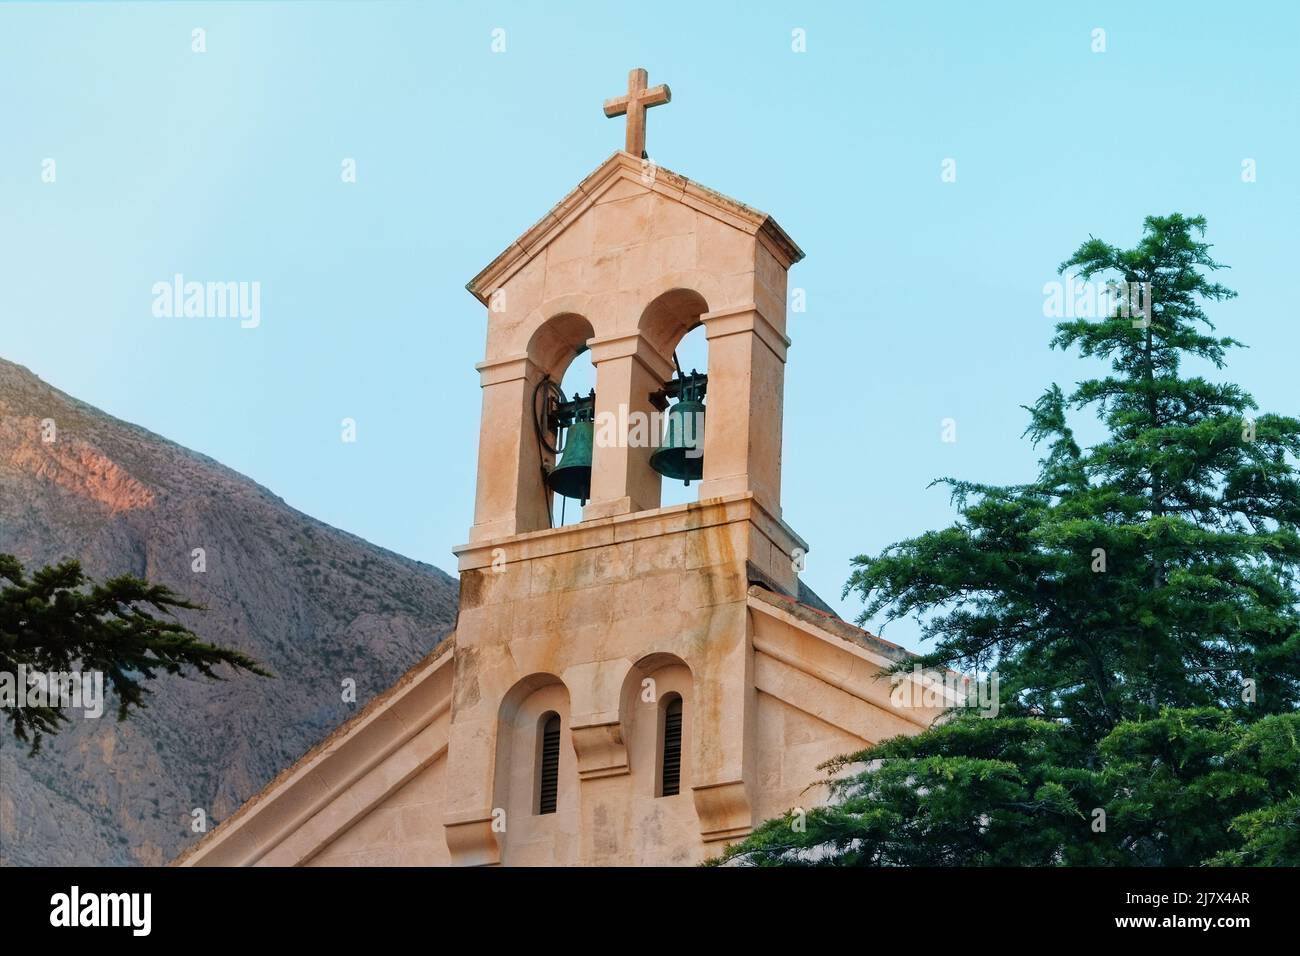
x=742 y=432
x=472 y=839
x=724 y=729
x=510 y=497
x=628 y=370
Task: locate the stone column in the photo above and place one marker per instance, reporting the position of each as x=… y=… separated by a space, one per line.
x=481 y=668
x=628 y=370
x=510 y=497
x=742 y=432
x=724 y=728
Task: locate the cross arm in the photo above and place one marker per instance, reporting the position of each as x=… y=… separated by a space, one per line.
x=656 y=95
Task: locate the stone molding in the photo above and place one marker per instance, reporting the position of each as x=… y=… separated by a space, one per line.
x=630 y=527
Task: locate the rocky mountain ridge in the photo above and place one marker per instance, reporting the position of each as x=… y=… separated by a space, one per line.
x=314 y=604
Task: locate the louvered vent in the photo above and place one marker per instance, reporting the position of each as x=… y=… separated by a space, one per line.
x=550 y=768
x=672 y=768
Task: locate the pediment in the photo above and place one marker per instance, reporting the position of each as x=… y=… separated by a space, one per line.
x=624 y=172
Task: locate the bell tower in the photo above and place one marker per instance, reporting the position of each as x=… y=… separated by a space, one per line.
x=598 y=622
x=642 y=686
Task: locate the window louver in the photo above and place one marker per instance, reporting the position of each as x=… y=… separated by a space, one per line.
x=672 y=767
x=550 y=767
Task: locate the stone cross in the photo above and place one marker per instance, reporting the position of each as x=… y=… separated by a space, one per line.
x=634 y=103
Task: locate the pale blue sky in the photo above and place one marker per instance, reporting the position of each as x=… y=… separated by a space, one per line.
x=924 y=298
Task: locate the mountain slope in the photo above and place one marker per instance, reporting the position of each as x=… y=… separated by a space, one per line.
x=313 y=604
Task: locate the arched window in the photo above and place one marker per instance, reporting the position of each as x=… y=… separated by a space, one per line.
x=670 y=748
x=548 y=762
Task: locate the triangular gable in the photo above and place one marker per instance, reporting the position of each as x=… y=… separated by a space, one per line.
x=621 y=167
x=839 y=654
x=394 y=718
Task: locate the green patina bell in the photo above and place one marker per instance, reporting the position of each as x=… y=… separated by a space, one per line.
x=681 y=456
x=572 y=476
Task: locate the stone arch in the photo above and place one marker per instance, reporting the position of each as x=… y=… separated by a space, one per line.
x=558 y=341
x=669 y=316
x=641 y=718
x=512 y=699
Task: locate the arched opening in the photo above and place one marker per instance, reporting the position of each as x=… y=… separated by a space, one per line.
x=578 y=382
x=558 y=350
x=534 y=705
x=671 y=325
x=655 y=711
x=691 y=355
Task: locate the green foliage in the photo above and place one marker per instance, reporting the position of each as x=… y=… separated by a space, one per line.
x=970 y=792
x=1185 y=787
x=1127 y=597
x=51 y=622
x=1271 y=837
x=1180 y=786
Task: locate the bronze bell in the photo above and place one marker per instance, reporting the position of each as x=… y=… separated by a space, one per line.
x=681 y=455
x=571 y=476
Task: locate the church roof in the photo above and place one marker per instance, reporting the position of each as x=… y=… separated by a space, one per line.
x=376 y=705
x=810 y=597
x=829 y=623
x=621 y=166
